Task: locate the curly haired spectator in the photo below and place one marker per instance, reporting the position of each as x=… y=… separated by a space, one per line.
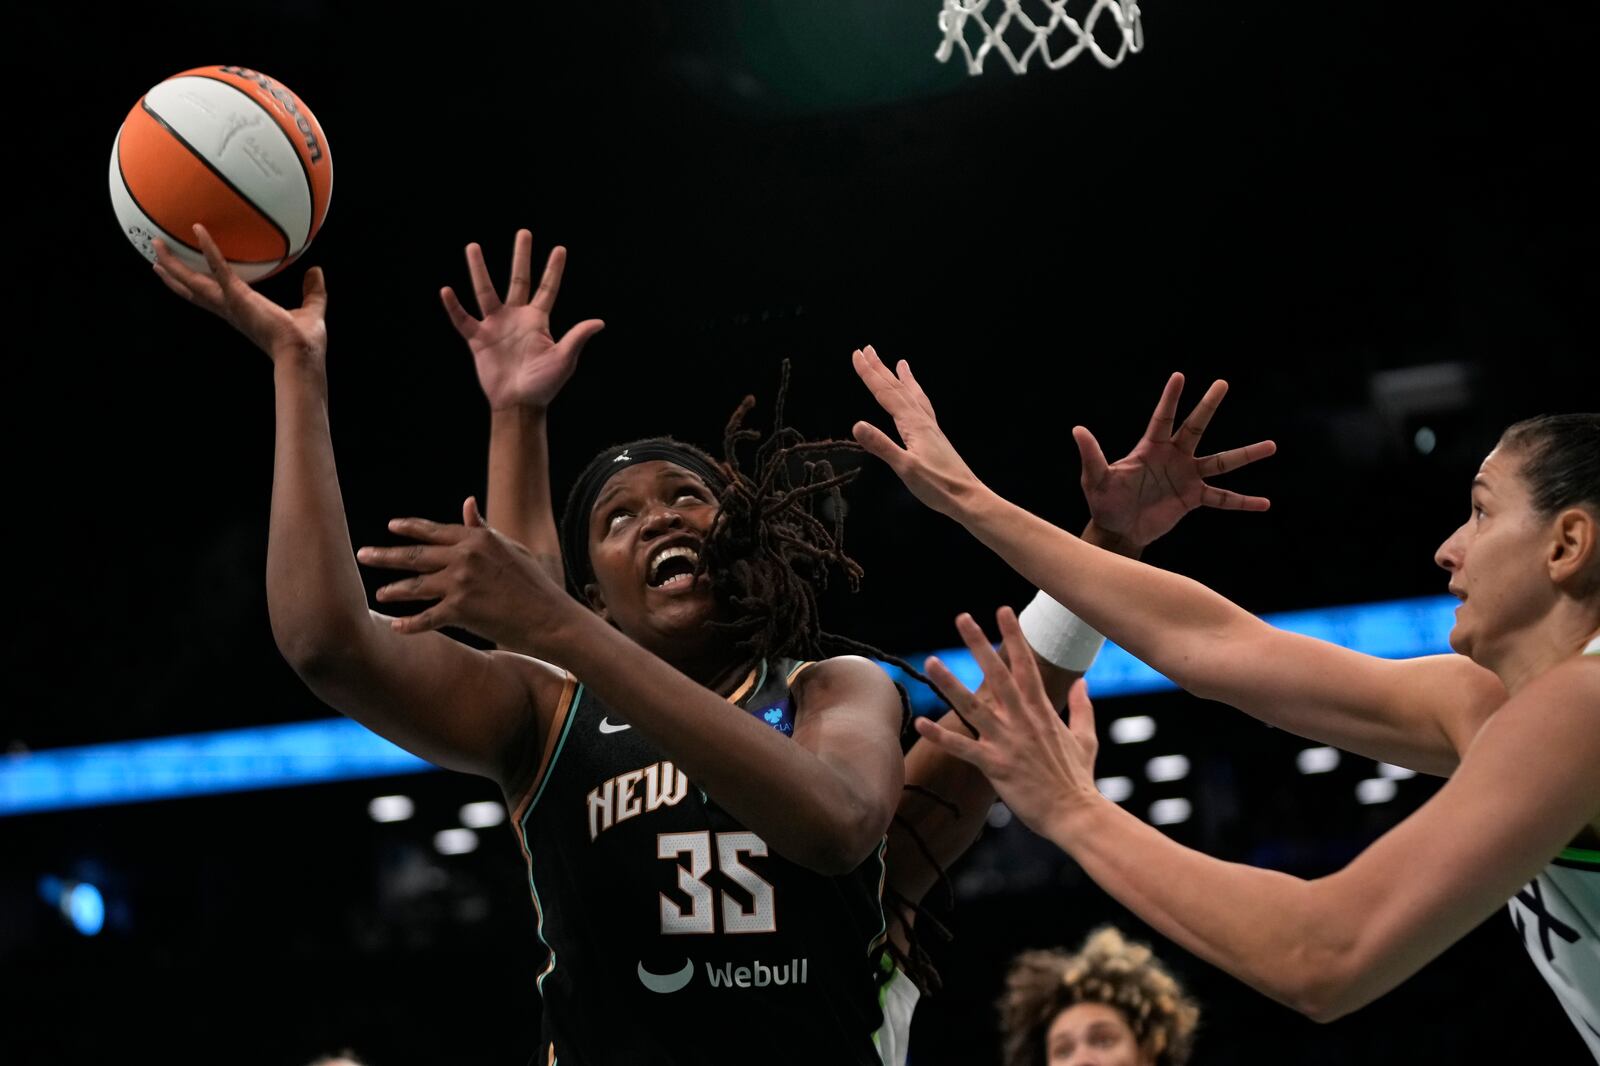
x=1112 y=1000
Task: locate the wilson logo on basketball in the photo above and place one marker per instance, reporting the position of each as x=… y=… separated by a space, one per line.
x=289 y=104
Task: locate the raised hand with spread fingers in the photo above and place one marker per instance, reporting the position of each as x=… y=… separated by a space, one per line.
x=926 y=461
x=521 y=368
x=520 y=362
x=1037 y=763
x=1142 y=496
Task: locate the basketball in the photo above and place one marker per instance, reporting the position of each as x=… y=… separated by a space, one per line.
x=232 y=149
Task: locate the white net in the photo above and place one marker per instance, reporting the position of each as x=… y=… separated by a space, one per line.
x=1050 y=33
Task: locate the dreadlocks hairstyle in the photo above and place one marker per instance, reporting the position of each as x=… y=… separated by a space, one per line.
x=768 y=554
x=1107 y=969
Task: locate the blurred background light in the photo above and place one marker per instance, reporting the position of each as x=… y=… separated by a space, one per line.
x=1115 y=789
x=455 y=841
x=1317 y=760
x=79 y=902
x=1132 y=730
x=391 y=808
x=482 y=814
x=1170 y=811
x=1375 y=790
x=1167 y=768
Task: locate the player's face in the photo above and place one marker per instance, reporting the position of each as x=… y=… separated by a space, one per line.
x=1092 y=1034
x=1497 y=561
x=646 y=532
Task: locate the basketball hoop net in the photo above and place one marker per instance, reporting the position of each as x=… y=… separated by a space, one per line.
x=1034 y=36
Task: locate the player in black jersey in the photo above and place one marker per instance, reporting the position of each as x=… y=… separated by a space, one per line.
x=703 y=878
x=522 y=367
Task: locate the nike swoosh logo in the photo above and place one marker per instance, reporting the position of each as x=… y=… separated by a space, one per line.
x=607 y=726
x=666 y=982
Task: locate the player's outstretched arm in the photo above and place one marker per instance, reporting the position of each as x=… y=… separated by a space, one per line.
x=1418 y=713
x=1323 y=947
x=448 y=703
x=521 y=368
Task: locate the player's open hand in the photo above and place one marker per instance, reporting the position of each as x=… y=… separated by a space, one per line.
x=1141 y=496
x=1040 y=765
x=300 y=333
x=928 y=463
x=476 y=578
x=520 y=363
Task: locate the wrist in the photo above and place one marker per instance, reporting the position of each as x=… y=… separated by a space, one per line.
x=1058 y=636
x=1074 y=816
x=298 y=367
x=296 y=353
x=1101 y=537
x=520 y=411
x=556 y=634
x=974 y=504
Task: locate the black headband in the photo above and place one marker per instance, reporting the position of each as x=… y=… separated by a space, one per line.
x=575 y=522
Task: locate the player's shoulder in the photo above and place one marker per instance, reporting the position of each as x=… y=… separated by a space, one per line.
x=549 y=692
x=842 y=678
x=1458 y=674
x=840 y=669
x=546 y=684
x=1462 y=694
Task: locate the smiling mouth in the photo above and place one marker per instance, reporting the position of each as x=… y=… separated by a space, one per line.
x=673 y=568
x=675 y=582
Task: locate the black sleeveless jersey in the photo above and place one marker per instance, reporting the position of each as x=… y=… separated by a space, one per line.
x=676 y=936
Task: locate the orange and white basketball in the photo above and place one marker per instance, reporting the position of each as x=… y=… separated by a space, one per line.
x=232 y=149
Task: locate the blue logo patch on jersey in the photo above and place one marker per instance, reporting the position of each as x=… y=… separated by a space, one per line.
x=779 y=718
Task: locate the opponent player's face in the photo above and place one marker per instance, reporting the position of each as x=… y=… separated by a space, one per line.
x=646 y=532
x=1092 y=1034
x=1497 y=560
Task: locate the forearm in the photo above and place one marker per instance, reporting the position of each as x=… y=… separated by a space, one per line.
x=1170 y=622
x=940 y=816
x=1287 y=938
x=315 y=598
x=519 y=502
x=805 y=809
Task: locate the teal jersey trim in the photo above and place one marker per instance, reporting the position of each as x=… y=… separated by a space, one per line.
x=881 y=937
x=761 y=680
x=555 y=757
x=549 y=772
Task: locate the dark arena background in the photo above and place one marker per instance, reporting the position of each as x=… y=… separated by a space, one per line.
x=1373 y=219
